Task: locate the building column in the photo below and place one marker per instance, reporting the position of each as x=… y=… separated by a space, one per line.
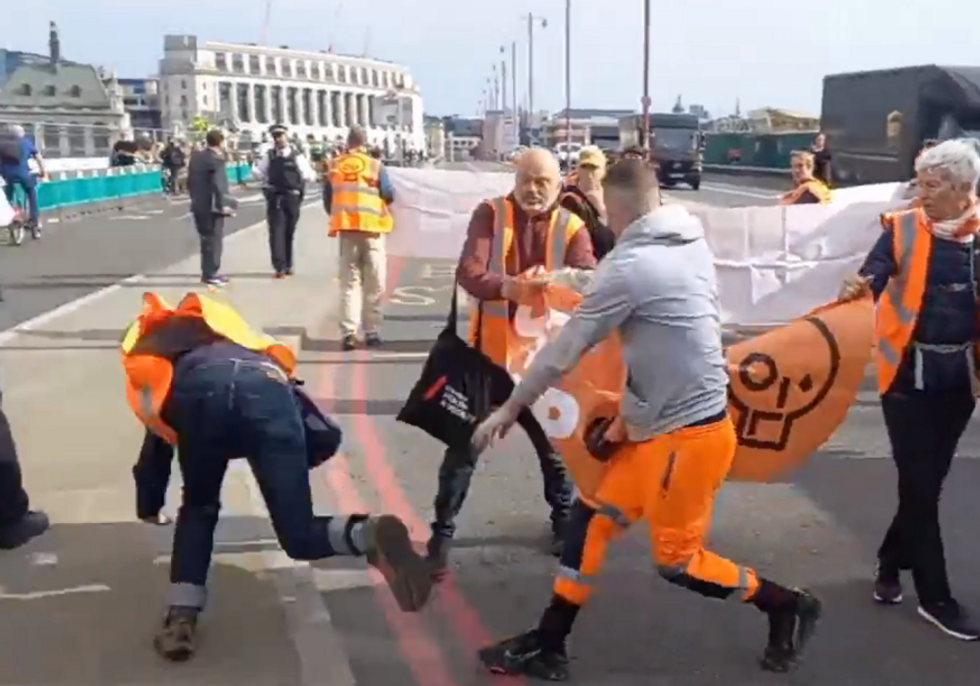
x=251 y=112
x=340 y=108
x=327 y=110
x=267 y=104
x=350 y=103
x=284 y=105
x=364 y=111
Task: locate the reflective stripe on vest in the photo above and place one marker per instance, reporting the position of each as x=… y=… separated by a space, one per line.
x=906 y=227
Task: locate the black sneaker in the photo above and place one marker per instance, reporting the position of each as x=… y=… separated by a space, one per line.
x=372 y=340
x=349 y=343
x=951 y=618
x=176 y=640
x=888 y=586
x=30 y=526
x=437 y=556
x=215 y=282
x=524 y=655
x=790 y=629
x=389 y=549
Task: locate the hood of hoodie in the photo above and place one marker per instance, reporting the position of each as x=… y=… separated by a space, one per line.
x=668 y=224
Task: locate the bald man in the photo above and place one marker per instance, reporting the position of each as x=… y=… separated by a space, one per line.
x=507 y=236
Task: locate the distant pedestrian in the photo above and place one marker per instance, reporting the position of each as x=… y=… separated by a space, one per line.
x=821 y=159
x=207 y=185
x=284 y=171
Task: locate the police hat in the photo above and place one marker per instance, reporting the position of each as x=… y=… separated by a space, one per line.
x=276 y=129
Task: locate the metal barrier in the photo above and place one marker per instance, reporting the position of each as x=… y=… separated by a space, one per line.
x=739 y=170
x=87 y=191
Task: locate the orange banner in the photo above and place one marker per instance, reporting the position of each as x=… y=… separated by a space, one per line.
x=790 y=388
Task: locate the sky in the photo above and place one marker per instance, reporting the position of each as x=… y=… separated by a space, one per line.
x=764 y=53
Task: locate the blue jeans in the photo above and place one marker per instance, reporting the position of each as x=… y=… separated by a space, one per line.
x=29 y=184
x=229 y=408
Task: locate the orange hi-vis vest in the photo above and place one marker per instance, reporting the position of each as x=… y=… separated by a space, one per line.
x=356 y=203
x=814 y=186
x=493 y=324
x=152 y=344
x=898 y=307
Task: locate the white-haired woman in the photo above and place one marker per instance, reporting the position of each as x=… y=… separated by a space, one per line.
x=923 y=275
x=16 y=153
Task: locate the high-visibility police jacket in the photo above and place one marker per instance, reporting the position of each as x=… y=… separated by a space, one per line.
x=356 y=203
x=161 y=334
x=901 y=300
x=813 y=187
x=491 y=327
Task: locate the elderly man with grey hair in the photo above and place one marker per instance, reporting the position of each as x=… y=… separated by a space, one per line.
x=16 y=152
x=922 y=273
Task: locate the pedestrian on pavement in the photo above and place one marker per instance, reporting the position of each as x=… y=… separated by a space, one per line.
x=357 y=194
x=582 y=194
x=922 y=273
x=284 y=171
x=18 y=523
x=669 y=450
x=203 y=381
x=822 y=159
x=16 y=153
x=211 y=203
x=507 y=236
x=173 y=160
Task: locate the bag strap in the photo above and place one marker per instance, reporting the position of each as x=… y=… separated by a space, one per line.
x=452 y=320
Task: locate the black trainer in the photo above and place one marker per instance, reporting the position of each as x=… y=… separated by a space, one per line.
x=951 y=619
x=176 y=640
x=524 y=655
x=389 y=549
x=22 y=532
x=349 y=343
x=790 y=629
x=373 y=340
x=888 y=585
x=437 y=555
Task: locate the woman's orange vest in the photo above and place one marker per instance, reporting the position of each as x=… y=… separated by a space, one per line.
x=492 y=324
x=898 y=307
x=817 y=188
x=152 y=343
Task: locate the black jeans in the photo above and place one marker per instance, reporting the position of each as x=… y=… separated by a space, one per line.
x=456 y=472
x=239 y=408
x=13 y=498
x=924 y=429
x=282 y=214
x=211 y=230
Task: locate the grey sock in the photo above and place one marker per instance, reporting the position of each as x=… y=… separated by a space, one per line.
x=339 y=542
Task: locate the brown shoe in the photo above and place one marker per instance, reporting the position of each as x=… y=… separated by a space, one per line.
x=176 y=639
x=389 y=549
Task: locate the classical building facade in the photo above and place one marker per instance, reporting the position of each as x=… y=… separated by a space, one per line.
x=250 y=87
x=69 y=109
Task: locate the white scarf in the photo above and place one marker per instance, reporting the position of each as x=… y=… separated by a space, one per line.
x=948 y=229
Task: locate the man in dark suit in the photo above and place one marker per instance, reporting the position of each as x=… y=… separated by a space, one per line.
x=207 y=186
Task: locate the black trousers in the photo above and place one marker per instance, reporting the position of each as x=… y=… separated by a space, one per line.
x=457 y=468
x=13 y=497
x=282 y=214
x=924 y=429
x=211 y=230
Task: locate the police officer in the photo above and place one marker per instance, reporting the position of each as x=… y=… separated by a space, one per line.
x=284 y=171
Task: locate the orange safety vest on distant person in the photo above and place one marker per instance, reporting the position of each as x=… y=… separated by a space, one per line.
x=152 y=344
x=816 y=187
x=898 y=306
x=493 y=324
x=356 y=203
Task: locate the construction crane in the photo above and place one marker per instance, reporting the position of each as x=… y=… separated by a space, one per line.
x=265 y=24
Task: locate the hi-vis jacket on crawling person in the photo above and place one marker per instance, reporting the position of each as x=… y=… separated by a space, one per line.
x=203 y=381
x=672 y=443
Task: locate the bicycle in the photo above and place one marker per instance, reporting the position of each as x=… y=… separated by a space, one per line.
x=17 y=228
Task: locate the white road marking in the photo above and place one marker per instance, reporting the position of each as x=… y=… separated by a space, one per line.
x=739 y=191
x=38 y=595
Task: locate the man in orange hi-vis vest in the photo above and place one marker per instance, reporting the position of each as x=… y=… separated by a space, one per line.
x=202 y=381
x=672 y=444
x=356 y=195
x=923 y=274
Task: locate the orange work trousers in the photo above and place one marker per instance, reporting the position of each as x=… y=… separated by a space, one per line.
x=671 y=481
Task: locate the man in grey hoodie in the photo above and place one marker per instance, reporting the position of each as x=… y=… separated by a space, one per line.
x=671 y=446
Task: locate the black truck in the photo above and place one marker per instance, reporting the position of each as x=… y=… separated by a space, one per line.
x=676 y=144
x=877 y=121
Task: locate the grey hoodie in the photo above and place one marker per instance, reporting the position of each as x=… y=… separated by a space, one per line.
x=658 y=287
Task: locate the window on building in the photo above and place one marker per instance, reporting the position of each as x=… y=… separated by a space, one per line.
x=341 y=73
x=301 y=69
x=255 y=64
x=355 y=76
x=101 y=138
x=287 y=68
x=76 y=92
x=261 y=97
x=76 y=140
x=375 y=78
x=183 y=84
x=221 y=61
x=292 y=106
x=50 y=91
x=183 y=101
x=51 y=140
x=238 y=64
x=329 y=72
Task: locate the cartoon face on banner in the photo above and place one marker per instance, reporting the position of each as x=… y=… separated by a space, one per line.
x=789 y=388
x=590 y=390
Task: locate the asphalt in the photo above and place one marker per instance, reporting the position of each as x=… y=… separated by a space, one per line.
x=93 y=586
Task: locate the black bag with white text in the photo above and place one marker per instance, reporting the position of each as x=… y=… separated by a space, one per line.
x=458 y=388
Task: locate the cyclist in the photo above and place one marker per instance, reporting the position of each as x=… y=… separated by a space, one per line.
x=16 y=153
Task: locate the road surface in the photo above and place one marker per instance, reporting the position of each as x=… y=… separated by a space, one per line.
x=79 y=606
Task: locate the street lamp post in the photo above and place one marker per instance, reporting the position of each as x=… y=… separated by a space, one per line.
x=568 y=77
x=645 y=139
x=531 y=21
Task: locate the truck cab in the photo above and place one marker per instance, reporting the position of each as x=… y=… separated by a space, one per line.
x=676 y=144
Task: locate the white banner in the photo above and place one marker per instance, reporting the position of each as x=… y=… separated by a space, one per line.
x=774 y=263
